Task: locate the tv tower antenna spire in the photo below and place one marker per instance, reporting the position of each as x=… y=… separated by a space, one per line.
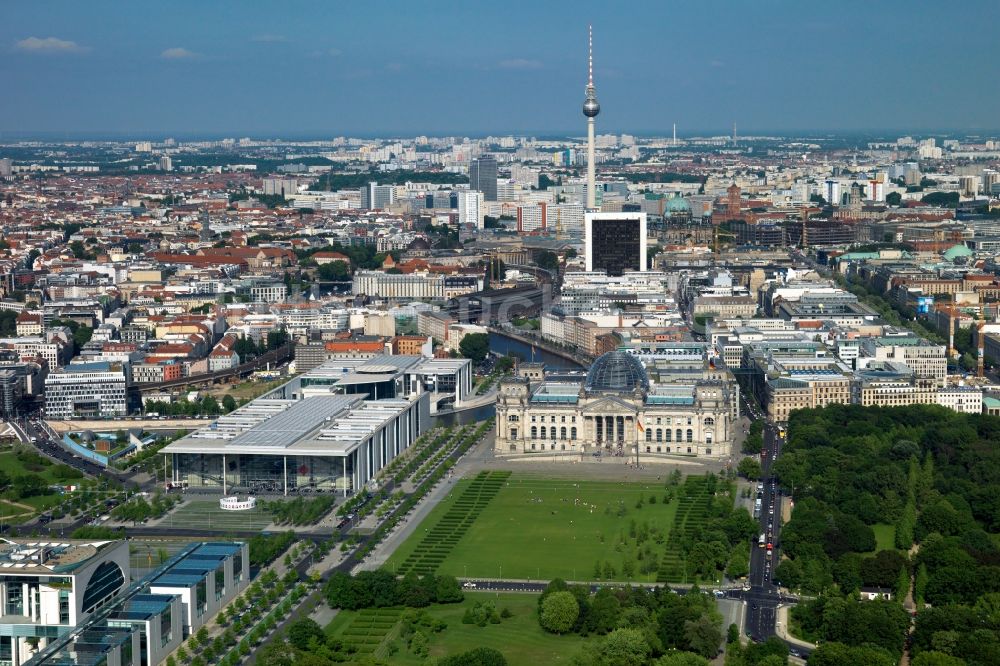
x=590 y=109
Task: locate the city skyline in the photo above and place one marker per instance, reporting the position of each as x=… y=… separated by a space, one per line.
x=121 y=70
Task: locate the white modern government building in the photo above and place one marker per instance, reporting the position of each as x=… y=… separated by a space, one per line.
x=329 y=430
x=73 y=603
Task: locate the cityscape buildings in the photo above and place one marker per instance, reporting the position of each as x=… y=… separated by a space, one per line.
x=329 y=323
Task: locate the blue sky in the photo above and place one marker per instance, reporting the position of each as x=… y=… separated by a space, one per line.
x=373 y=67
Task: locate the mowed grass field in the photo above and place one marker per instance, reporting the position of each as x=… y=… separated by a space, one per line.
x=541 y=528
x=206 y=515
x=519 y=637
x=885 y=536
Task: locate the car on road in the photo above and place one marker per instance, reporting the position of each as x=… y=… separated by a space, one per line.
x=469 y=584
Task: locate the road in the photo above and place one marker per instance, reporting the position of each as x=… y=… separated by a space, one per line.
x=763 y=597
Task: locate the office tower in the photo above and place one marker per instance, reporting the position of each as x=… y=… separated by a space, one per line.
x=590 y=109
x=470 y=209
x=377 y=197
x=6 y=168
x=990 y=178
x=165 y=163
x=483 y=177
x=832 y=193
x=615 y=242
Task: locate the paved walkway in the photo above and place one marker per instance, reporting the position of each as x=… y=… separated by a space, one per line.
x=781 y=629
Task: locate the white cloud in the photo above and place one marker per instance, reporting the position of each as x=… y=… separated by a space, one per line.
x=520 y=63
x=269 y=38
x=177 y=53
x=49 y=45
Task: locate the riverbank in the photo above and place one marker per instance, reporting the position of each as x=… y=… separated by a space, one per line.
x=532 y=346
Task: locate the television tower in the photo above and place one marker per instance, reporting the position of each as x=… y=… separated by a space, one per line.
x=590 y=109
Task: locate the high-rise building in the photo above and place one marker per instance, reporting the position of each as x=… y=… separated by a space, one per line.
x=6 y=168
x=990 y=178
x=531 y=216
x=470 y=208
x=969 y=185
x=832 y=192
x=483 y=177
x=615 y=242
x=377 y=197
x=165 y=163
x=590 y=109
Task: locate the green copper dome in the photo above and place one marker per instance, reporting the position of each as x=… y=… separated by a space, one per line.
x=678 y=205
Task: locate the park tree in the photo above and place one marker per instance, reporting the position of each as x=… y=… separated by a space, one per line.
x=703 y=636
x=749 y=468
x=276 y=653
x=228 y=403
x=773 y=648
x=475 y=346
x=624 y=647
x=838 y=654
x=934 y=658
x=682 y=659
x=920 y=585
x=334 y=271
x=448 y=590
x=559 y=612
x=304 y=630
x=548 y=260
x=419 y=645
x=413 y=592
x=604 y=612
x=739 y=562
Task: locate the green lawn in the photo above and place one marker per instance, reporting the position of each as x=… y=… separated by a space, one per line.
x=885 y=536
x=539 y=528
x=519 y=638
x=13 y=466
x=206 y=515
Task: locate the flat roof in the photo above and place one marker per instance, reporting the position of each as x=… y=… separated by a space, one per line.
x=319 y=425
x=143 y=607
x=288 y=426
x=47 y=556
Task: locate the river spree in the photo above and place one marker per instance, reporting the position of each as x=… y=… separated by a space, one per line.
x=501 y=344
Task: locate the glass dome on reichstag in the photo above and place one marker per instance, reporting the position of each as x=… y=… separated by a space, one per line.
x=617 y=372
